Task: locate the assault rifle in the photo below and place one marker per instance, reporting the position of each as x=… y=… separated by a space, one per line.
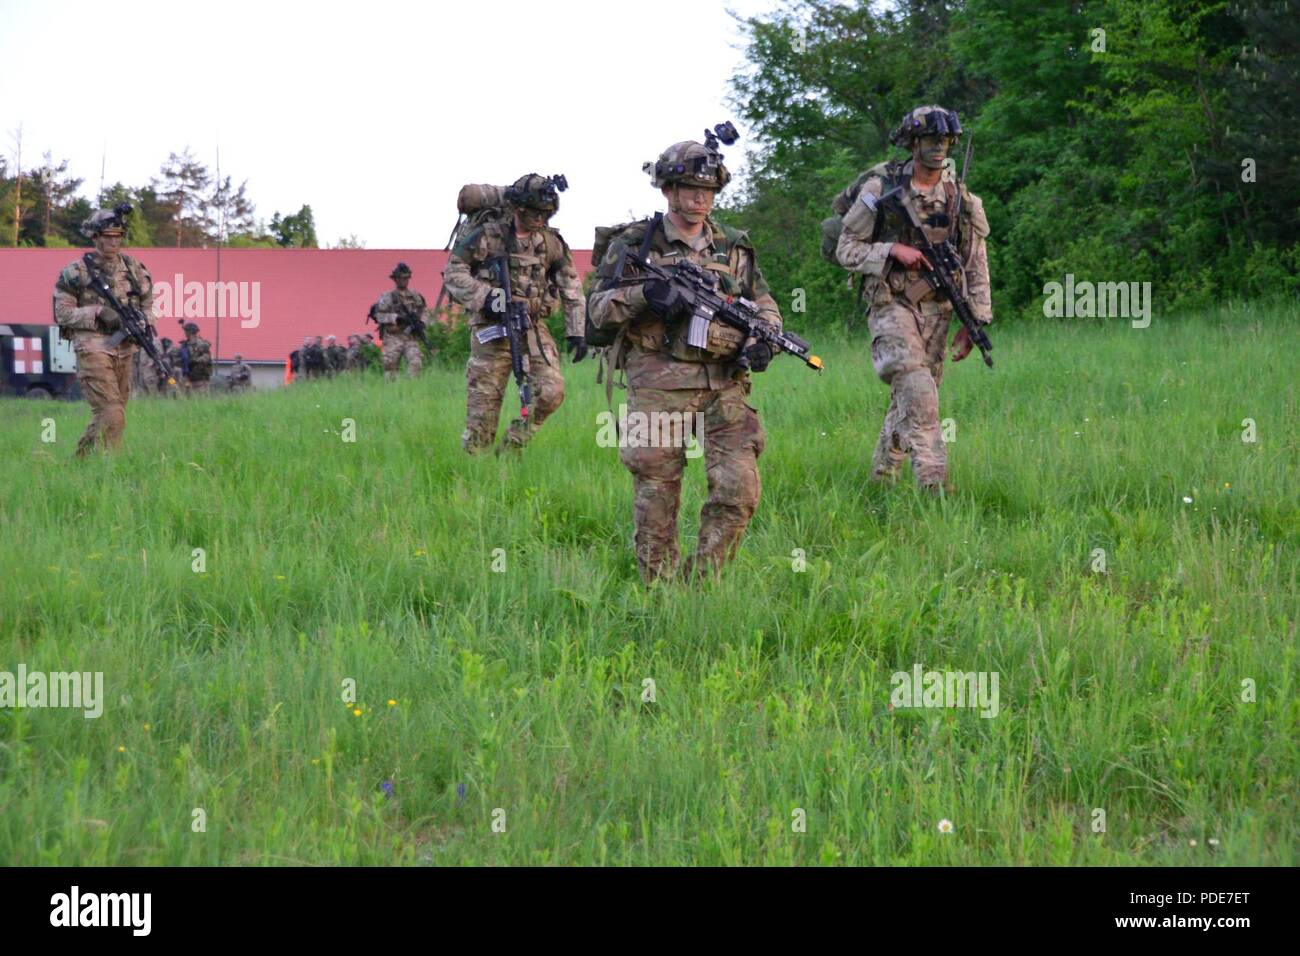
x=408 y=319
x=699 y=291
x=135 y=326
x=412 y=320
x=515 y=329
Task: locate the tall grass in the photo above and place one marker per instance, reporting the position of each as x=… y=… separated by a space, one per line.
x=522 y=690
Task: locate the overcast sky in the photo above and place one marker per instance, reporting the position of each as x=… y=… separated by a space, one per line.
x=374 y=113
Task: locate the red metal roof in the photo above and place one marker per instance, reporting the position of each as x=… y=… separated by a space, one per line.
x=277 y=297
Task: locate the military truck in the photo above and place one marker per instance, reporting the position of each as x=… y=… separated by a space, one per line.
x=37 y=362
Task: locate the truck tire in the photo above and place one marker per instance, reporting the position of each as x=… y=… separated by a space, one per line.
x=38 y=392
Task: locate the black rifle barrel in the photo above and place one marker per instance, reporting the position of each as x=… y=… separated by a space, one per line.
x=515 y=321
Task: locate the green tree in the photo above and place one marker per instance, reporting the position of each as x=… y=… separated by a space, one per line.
x=297 y=230
x=183 y=188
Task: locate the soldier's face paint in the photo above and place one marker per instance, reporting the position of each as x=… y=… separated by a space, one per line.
x=109 y=245
x=530 y=220
x=931 y=151
x=692 y=203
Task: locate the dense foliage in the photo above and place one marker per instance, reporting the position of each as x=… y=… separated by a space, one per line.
x=1115 y=140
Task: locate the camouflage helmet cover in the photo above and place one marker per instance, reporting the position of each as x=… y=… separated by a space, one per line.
x=190 y=327
x=536 y=192
x=925 y=121
x=401 y=269
x=103 y=221
x=690 y=163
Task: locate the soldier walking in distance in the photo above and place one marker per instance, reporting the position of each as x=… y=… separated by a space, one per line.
x=908 y=318
x=103 y=356
x=393 y=314
x=241 y=376
x=668 y=378
x=313 y=358
x=196 y=360
x=542 y=275
x=334 y=355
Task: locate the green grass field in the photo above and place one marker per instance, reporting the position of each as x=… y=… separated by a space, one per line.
x=521 y=691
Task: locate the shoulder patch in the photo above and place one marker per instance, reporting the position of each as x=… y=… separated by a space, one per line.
x=74 y=275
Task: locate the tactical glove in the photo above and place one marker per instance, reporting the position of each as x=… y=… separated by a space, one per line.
x=758 y=356
x=665 y=299
x=577 y=347
x=108 y=319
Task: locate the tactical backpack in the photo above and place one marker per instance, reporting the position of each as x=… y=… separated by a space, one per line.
x=833 y=226
x=597 y=337
x=480 y=204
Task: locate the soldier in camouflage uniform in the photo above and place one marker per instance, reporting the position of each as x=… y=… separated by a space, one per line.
x=390 y=315
x=241 y=376
x=334 y=355
x=198 y=367
x=908 y=318
x=172 y=355
x=666 y=377
x=103 y=363
x=352 y=354
x=313 y=357
x=541 y=274
x=152 y=381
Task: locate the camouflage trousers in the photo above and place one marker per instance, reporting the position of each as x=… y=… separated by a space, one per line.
x=907 y=349
x=105 y=380
x=733 y=438
x=198 y=386
x=398 y=344
x=487 y=376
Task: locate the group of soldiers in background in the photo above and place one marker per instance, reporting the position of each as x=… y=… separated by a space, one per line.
x=510 y=270
x=319 y=357
x=400 y=314
x=191 y=364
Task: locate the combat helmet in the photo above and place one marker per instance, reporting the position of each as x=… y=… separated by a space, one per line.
x=692 y=163
x=925 y=121
x=536 y=192
x=103 y=221
x=401 y=269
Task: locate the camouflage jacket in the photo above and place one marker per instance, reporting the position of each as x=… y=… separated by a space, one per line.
x=241 y=374
x=75 y=304
x=656 y=356
x=541 y=271
x=334 y=357
x=352 y=357
x=200 y=358
x=865 y=243
x=389 y=308
x=312 y=358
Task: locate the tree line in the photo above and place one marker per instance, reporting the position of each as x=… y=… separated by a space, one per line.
x=1117 y=140
x=185 y=205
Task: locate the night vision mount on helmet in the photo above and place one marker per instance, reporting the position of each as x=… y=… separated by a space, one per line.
x=104 y=219
x=536 y=192
x=694 y=164
x=926 y=121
